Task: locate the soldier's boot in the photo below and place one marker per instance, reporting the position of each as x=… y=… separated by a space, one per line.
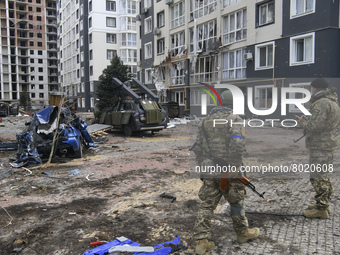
x=250 y=233
x=203 y=246
x=316 y=213
x=314 y=206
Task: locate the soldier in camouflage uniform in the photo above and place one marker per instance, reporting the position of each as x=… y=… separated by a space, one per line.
x=320 y=129
x=226 y=142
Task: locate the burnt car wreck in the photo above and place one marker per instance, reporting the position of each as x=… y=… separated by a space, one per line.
x=52 y=128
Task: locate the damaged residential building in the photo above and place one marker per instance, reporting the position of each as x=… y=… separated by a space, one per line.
x=28 y=51
x=250 y=44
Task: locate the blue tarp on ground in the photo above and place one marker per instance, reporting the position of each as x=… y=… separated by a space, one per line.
x=160 y=249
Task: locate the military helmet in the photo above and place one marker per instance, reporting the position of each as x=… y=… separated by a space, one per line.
x=320 y=83
x=227 y=98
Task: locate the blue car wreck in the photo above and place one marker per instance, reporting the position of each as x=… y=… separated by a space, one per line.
x=36 y=142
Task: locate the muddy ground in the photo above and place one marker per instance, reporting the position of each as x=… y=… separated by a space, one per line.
x=114 y=190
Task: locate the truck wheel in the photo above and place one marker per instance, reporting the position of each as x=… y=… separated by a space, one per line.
x=127 y=130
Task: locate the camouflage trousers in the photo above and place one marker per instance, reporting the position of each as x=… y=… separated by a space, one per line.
x=210 y=195
x=321 y=181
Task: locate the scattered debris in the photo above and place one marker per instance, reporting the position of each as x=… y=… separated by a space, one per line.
x=169 y=197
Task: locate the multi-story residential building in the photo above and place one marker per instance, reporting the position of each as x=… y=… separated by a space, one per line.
x=90 y=34
x=28 y=50
x=262 y=44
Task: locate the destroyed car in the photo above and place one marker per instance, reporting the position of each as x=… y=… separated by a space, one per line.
x=7 y=109
x=37 y=141
x=132 y=113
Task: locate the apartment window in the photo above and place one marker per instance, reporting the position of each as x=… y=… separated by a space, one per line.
x=195 y=97
x=128 y=23
x=39 y=44
x=131 y=7
x=160 y=46
x=177 y=15
x=178 y=96
x=41 y=86
x=200 y=8
x=148 y=25
x=263 y=97
x=40 y=61
x=90 y=22
x=31 y=34
x=83 y=102
x=41 y=78
x=32 y=69
x=230 y=2
x=91 y=54
x=41 y=95
x=205 y=37
x=110 y=22
x=148 y=50
x=234 y=65
x=31 y=43
x=265 y=13
x=38 y=1
x=128 y=55
x=110 y=5
x=111 y=54
x=160 y=19
x=301 y=7
x=32 y=60
x=30 y=8
x=91 y=86
x=129 y=39
x=302 y=49
x=90 y=6
x=38 y=9
x=177 y=73
x=177 y=43
x=38 y=18
x=32 y=52
x=148 y=76
x=147 y=3
x=91 y=70
x=111 y=38
x=40 y=69
x=235 y=26
x=30 y=17
x=295 y=95
x=33 y=95
x=205 y=69
x=264 y=56
x=39 y=35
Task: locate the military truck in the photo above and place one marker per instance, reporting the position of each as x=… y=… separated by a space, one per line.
x=135 y=112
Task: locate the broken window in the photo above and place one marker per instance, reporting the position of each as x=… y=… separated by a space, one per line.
x=177 y=73
x=200 y=8
x=205 y=37
x=206 y=69
x=177 y=43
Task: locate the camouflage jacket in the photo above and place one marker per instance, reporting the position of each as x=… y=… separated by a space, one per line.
x=224 y=141
x=321 y=125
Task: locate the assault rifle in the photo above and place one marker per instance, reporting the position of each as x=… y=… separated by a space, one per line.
x=224 y=179
x=304 y=134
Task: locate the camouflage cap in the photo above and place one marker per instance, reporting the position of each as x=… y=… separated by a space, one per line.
x=320 y=83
